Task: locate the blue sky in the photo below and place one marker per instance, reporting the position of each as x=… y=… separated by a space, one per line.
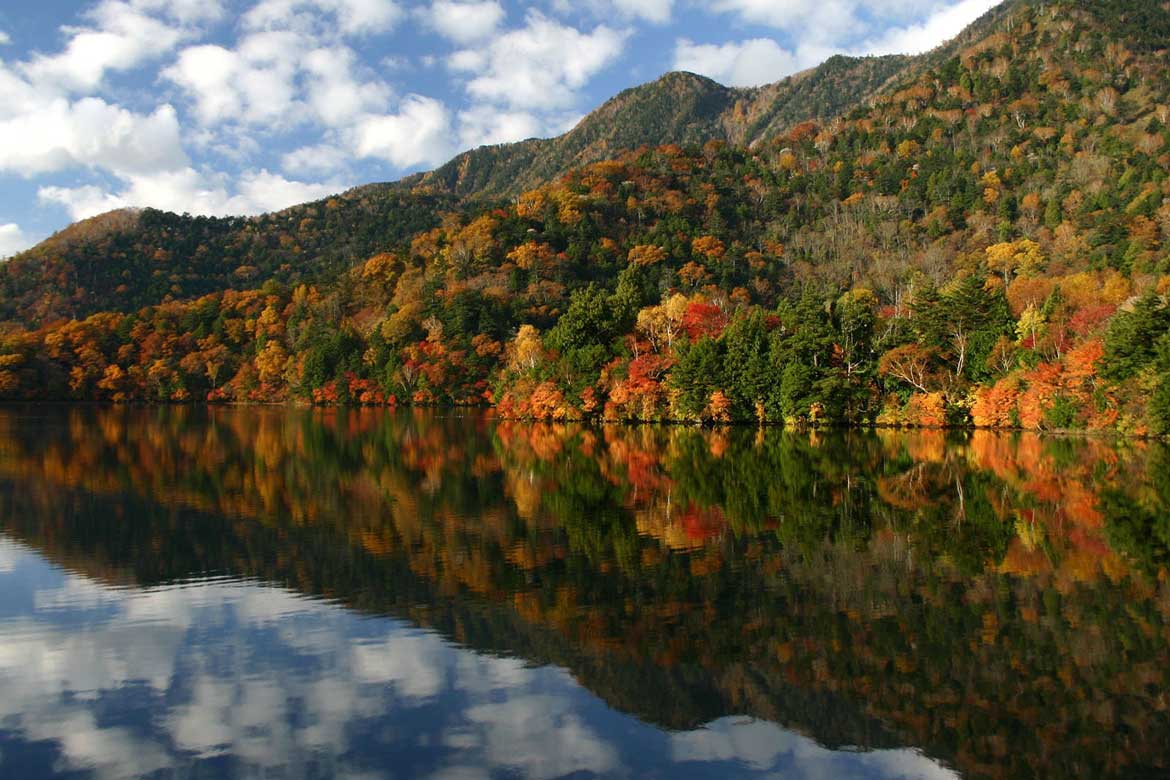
x=246 y=106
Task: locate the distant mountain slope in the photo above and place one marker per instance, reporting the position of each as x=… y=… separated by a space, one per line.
x=678 y=108
x=127 y=259
x=685 y=108
x=124 y=261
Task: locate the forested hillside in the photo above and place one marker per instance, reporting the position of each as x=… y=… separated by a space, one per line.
x=983 y=243
x=124 y=260
x=127 y=259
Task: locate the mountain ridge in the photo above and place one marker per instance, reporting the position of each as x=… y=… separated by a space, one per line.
x=677 y=108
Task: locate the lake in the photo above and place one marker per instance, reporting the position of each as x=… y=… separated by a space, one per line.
x=259 y=592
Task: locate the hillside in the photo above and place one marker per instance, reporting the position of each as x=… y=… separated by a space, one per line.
x=125 y=260
x=679 y=108
x=986 y=242
x=684 y=108
x=122 y=263
x=128 y=259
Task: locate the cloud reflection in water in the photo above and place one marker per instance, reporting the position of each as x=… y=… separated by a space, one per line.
x=243 y=679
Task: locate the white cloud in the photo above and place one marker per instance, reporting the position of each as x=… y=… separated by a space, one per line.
x=352 y=17
x=12 y=240
x=335 y=95
x=464 y=22
x=123 y=38
x=766 y=748
x=185 y=11
x=261 y=191
x=848 y=25
x=745 y=64
x=822 y=29
x=4 y=39
x=253 y=84
x=90 y=133
x=542 y=735
x=654 y=11
x=482 y=125
x=940 y=27
x=419 y=133
x=188 y=190
x=274 y=79
x=541 y=65
x=657 y=11
x=81 y=202
x=826 y=18
x=468 y=60
x=318 y=159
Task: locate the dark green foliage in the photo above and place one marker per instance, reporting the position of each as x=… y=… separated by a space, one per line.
x=1133 y=337
x=697 y=375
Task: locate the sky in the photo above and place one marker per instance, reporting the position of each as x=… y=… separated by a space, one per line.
x=247 y=106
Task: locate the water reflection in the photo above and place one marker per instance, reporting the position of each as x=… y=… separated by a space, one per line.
x=241 y=679
x=244 y=592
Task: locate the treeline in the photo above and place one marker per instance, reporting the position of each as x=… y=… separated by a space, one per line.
x=987 y=245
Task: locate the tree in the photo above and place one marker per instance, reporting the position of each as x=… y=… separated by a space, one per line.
x=747 y=369
x=697 y=374
x=1132 y=337
x=662 y=324
x=647 y=254
x=911 y=363
x=526 y=351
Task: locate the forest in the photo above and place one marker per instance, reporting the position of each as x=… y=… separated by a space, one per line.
x=984 y=243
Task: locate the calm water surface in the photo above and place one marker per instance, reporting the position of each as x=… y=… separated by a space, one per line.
x=368 y=594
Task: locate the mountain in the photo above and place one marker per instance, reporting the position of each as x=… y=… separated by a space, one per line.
x=679 y=108
x=685 y=108
x=129 y=259
x=983 y=239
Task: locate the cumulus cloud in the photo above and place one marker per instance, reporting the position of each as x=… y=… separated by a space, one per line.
x=317 y=159
x=268 y=679
x=294 y=87
x=189 y=190
x=272 y=78
x=4 y=39
x=92 y=133
x=768 y=749
x=483 y=125
x=121 y=37
x=745 y=64
x=940 y=27
x=657 y=11
x=352 y=17
x=419 y=133
x=335 y=95
x=763 y=60
x=845 y=25
x=184 y=11
x=831 y=17
x=12 y=240
x=464 y=22
x=540 y=65
x=252 y=84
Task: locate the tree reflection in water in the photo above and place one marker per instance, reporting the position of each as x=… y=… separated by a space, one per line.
x=995 y=601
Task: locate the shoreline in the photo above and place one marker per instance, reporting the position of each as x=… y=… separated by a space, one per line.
x=1065 y=433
